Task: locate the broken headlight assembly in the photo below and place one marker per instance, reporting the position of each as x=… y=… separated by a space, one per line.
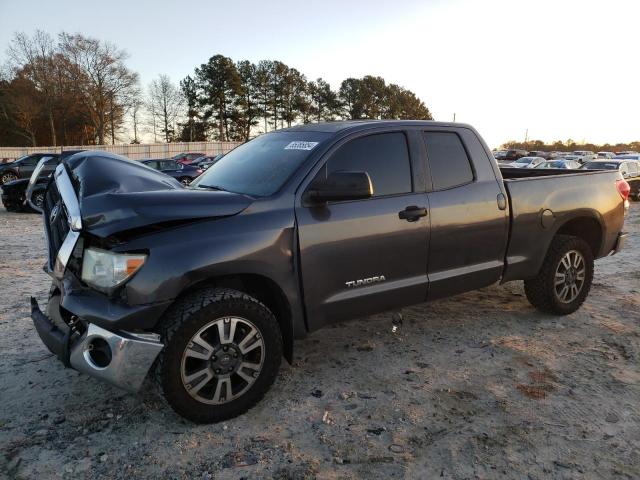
x=105 y=270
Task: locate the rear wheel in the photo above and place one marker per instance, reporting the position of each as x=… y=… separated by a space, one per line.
x=564 y=280
x=222 y=353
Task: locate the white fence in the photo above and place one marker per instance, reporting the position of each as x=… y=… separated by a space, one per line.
x=134 y=152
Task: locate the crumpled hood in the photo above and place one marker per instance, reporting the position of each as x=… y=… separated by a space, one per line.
x=117 y=194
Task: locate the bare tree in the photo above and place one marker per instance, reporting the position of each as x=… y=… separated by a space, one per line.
x=165 y=101
x=35 y=57
x=102 y=78
x=135 y=113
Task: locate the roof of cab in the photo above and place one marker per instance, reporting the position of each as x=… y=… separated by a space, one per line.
x=334 y=127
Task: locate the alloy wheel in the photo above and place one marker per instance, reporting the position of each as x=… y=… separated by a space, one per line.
x=569 y=277
x=222 y=360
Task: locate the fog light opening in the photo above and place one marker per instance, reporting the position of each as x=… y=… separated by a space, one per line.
x=98 y=353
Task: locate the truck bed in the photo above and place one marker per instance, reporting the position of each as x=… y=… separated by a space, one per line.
x=543 y=203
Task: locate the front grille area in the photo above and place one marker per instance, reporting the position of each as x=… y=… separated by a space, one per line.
x=55 y=220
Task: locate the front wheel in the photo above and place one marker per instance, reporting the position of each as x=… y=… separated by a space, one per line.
x=222 y=353
x=564 y=280
x=185 y=181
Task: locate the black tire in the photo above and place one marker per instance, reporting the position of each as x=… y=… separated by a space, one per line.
x=185 y=180
x=541 y=290
x=38 y=199
x=184 y=320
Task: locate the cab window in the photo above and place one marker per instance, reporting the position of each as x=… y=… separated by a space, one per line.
x=384 y=156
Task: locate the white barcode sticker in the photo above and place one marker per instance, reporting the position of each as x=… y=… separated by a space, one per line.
x=301 y=145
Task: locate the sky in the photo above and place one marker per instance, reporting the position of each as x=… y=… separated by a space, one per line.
x=559 y=69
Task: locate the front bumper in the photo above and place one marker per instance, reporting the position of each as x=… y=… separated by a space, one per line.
x=120 y=358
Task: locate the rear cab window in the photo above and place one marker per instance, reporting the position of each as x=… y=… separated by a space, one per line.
x=448 y=160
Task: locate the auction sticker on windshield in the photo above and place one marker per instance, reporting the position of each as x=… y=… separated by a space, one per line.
x=301 y=145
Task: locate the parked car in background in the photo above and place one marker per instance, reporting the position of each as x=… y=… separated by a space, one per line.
x=561 y=163
x=186 y=158
x=626 y=152
x=574 y=157
x=206 y=162
x=513 y=155
x=499 y=155
x=605 y=155
x=527 y=162
x=14 y=193
x=23 y=167
x=183 y=173
x=628 y=166
x=587 y=155
x=539 y=153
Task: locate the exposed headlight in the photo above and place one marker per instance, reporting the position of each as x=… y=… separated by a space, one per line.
x=104 y=269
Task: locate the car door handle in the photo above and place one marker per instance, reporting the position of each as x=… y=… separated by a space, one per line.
x=412 y=213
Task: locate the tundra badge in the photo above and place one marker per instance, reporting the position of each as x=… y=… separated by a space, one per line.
x=365 y=281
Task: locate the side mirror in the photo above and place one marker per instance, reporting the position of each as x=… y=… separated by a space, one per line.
x=340 y=186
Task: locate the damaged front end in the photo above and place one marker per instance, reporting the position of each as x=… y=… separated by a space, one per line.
x=93 y=200
x=120 y=358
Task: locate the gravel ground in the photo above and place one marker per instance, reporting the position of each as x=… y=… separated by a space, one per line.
x=478 y=386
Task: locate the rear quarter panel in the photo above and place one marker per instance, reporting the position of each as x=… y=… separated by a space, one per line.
x=581 y=195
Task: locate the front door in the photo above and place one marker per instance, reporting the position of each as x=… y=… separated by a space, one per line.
x=360 y=257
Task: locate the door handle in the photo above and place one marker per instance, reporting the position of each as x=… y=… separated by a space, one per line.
x=412 y=213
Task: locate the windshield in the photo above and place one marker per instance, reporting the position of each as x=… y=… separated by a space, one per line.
x=524 y=160
x=260 y=167
x=600 y=166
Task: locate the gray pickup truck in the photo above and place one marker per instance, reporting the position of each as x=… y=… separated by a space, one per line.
x=204 y=288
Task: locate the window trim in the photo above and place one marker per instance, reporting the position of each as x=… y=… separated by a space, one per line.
x=474 y=174
x=322 y=164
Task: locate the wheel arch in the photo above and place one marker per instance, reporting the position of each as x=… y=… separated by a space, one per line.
x=588 y=227
x=263 y=289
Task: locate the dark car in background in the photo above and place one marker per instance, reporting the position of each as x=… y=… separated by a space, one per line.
x=628 y=166
x=183 y=173
x=206 y=162
x=513 y=155
x=14 y=192
x=23 y=167
x=186 y=158
x=539 y=153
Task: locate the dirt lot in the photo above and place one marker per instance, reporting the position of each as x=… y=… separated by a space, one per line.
x=479 y=386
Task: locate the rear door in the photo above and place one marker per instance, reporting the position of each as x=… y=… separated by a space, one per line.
x=467 y=211
x=359 y=257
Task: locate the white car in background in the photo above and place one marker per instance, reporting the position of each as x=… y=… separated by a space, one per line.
x=605 y=155
x=587 y=155
x=561 y=163
x=527 y=162
x=575 y=158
